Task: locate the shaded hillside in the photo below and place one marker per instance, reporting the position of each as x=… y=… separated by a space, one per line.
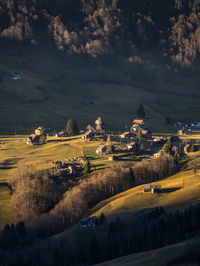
x=87 y=58
x=184 y=253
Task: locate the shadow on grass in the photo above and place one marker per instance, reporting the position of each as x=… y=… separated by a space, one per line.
x=90 y=158
x=4 y=184
x=59 y=140
x=7 y=167
x=170 y=190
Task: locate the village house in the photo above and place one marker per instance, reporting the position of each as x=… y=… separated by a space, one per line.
x=49 y=132
x=101 y=149
x=181 y=132
x=112 y=158
x=91 y=129
x=135 y=128
x=146 y=134
x=61 y=134
x=104 y=149
x=15 y=76
x=159 y=140
x=57 y=164
x=127 y=135
x=187 y=148
x=33 y=139
x=89 y=221
x=133 y=146
x=88 y=136
x=72 y=169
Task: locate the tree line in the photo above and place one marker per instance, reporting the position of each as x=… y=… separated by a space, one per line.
x=96 y=187
x=121 y=237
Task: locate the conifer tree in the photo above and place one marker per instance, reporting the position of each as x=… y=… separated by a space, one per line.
x=71 y=127
x=141 y=111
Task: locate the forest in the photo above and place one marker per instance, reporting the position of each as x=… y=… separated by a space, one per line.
x=104 y=27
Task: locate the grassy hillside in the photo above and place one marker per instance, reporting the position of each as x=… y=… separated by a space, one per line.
x=54 y=88
x=163 y=256
x=176 y=189
x=14 y=153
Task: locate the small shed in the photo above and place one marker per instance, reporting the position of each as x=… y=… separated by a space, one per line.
x=152 y=188
x=112 y=158
x=133 y=146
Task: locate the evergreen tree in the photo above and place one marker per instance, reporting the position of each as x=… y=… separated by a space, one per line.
x=71 y=127
x=167 y=120
x=141 y=111
x=102 y=218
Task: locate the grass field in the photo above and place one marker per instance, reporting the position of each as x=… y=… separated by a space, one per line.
x=52 y=89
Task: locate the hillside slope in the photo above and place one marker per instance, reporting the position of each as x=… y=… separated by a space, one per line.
x=176 y=190
x=86 y=59
x=178 y=254
x=52 y=89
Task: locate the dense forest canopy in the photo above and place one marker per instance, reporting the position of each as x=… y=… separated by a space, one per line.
x=108 y=26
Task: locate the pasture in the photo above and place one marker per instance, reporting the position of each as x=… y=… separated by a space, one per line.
x=58 y=89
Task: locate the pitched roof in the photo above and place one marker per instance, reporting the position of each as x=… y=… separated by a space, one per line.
x=139 y=122
x=131 y=144
x=144 y=132
x=126 y=133
x=88 y=133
